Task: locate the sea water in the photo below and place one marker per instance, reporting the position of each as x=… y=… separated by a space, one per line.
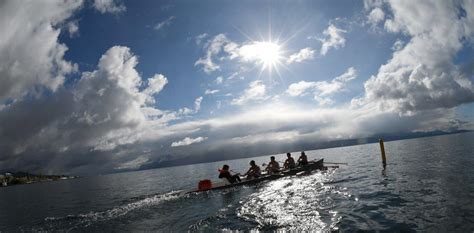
x=428 y=185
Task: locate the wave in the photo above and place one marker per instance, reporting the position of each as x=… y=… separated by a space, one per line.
x=85 y=220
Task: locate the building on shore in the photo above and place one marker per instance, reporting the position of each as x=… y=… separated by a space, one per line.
x=3 y=181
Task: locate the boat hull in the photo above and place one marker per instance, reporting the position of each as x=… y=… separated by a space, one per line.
x=311 y=166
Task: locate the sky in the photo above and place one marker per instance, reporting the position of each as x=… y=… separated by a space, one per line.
x=100 y=86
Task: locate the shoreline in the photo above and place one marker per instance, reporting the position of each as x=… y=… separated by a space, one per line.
x=22 y=178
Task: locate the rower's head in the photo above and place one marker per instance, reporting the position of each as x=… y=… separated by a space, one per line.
x=272 y=158
x=225 y=167
x=302 y=153
x=252 y=163
x=288 y=155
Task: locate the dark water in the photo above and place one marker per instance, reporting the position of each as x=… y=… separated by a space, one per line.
x=428 y=186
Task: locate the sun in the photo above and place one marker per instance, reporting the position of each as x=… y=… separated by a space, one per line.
x=268 y=54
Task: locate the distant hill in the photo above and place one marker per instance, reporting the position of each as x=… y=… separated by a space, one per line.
x=263 y=149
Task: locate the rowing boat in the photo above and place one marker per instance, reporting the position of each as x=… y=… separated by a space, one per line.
x=313 y=165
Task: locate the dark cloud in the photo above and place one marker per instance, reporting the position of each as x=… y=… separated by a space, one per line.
x=81 y=125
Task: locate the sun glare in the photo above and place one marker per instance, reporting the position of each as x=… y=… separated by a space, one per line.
x=267 y=54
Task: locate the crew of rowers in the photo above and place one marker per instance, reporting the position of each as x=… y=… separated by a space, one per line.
x=255 y=172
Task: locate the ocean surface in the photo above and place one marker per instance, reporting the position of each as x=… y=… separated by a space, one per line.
x=428 y=185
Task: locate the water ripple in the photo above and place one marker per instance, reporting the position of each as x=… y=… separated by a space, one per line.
x=72 y=222
x=294 y=203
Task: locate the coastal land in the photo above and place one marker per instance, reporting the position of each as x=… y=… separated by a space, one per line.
x=16 y=178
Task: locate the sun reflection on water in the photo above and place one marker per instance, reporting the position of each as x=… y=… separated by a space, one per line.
x=294 y=203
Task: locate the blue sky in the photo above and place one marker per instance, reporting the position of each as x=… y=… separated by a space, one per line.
x=121 y=84
x=172 y=50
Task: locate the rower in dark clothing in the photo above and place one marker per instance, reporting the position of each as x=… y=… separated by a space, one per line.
x=289 y=162
x=254 y=171
x=273 y=166
x=224 y=173
x=302 y=160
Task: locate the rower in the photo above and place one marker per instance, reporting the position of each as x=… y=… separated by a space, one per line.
x=253 y=172
x=303 y=159
x=224 y=173
x=273 y=166
x=289 y=162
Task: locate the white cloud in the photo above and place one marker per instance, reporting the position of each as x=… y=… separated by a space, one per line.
x=376 y=15
x=235 y=75
x=219 y=80
x=188 y=141
x=155 y=85
x=263 y=123
x=213 y=47
x=73 y=28
x=109 y=100
x=334 y=39
x=109 y=6
x=220 y=48
x=200 y=38
x=185 y=111
x=133 y=164
x=300 y=88
x=258 y=128
x=349 y=75
x=398 y=45
x=325 y=88
x=255 y=92
x=302 y=55
x=287 y=136
x=31 y=58
x=197 y=103
x=103 y=111
x=323 y=101
x=188 y=111
x=422 y=74
x=369 y=4
x=211 y=92
x=167 y=22
x=322 y=90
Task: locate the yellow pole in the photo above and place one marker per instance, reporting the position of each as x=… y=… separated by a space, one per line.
x=382 y=150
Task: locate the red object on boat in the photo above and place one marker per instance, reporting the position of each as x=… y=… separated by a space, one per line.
x=205 y=185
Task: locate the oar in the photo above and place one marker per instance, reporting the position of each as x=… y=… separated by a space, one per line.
x=336 y=163
x=230 y=171
x=264 y=164
x=235 y=172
